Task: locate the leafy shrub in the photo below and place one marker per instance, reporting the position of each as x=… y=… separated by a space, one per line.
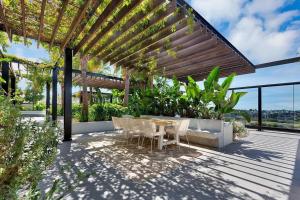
x=76 y=111
x=104 y=112
x=40 y=106
x=26 y=149
x=239 y=129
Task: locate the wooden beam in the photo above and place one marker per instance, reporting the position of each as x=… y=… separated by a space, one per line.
x=3 y=19
x=158 y=49
x=127 y=86
x=129 y=24
x=202 y=66
x=138 y=32
x=58 y=20
x=239 y=69
x=121 y=14
x=198 y=57
x=102 y=18
x=75 y=23
x=41 y=22
x=95 y=5
x=178 y=46
x=201 y=48
x=23 y=20
x=178 y=21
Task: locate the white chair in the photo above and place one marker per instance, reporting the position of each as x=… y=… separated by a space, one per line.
x=149 y=131
x=117 y=123
x=180 y=129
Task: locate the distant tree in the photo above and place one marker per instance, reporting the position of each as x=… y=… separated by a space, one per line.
x=32 y=95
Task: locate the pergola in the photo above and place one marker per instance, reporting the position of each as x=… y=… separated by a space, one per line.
x=165 y=35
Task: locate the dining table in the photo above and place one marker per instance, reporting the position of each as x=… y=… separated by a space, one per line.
x=162 y=124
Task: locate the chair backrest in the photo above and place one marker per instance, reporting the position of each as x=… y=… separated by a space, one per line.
x=116 y=122
x=125 y=123
x=182 y=126
x=148 y=127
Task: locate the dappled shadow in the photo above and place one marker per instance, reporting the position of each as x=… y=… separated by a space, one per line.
x=246 y=149
x=100 y=166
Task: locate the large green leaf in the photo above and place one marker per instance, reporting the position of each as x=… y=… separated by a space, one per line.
x=212 y=78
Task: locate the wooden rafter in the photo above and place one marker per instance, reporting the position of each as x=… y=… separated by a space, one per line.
x=83 y=23
x=119 y=52
x=3 y=19
x=75 y=23
x=209 y=47
x=177 y=22
x=158 y=49
x=58 y=20
x=41 y=22
x=154 y=20
x=129 y=24
x=23 y=19
x=121 y=14
x=102 y=18
x=216 y=60
x=225 y=71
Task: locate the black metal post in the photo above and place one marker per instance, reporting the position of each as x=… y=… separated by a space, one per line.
x=259 y=109
x=5 y=76
x=54 y=94
x=68 y=95
x=13 y=88
x=47 y=98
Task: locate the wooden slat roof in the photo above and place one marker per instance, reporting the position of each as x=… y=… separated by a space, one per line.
x=98 y=82
x=138 y=34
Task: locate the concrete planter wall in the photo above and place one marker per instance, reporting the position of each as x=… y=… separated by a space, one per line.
x=92 y=127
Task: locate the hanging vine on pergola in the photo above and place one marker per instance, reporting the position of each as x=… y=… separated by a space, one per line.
x=148 y=35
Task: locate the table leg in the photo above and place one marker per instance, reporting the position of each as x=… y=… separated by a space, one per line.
x=161 y=137
x=177 y=138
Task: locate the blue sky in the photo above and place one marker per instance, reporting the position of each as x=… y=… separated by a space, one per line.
x=263 y=30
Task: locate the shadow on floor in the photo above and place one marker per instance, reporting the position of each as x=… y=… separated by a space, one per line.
x=100 y=166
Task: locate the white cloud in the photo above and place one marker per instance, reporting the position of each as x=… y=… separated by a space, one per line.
x=258 y=28
x=262 y=45
x=217 y=11
x=264 y=7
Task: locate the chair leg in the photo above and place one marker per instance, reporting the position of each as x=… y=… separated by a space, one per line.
x=151 y=144
x=143 y=141
x=187 y=139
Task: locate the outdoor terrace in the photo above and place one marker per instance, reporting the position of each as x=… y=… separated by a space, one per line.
x=265 y=165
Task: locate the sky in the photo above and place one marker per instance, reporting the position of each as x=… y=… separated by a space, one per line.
x=263 y=30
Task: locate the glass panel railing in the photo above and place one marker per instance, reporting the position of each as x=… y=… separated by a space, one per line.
x=247 y=103
x=278 y=107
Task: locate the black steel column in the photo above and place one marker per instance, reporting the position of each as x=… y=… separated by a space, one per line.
x=47 y=98
x=5 y=76
x=13 y=88
x=68 y=95
x=54 y=94
x=259 y=109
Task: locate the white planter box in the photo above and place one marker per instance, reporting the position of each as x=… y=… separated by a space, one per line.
x=92 y=127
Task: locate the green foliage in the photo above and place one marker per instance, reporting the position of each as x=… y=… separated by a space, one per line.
x=33 y=94
x=76 y=111
x=27 y=149
x=162 y=99
x=104 y=112
x=167 y=99
x=40 y=106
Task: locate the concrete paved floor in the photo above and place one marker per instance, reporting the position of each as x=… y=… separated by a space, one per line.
x=265 y=165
